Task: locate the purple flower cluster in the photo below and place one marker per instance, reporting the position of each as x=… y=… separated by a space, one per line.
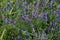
x=24 y=9
x=18 y=38
x=13 y=22
x=42 y=16
x=6 y=20
x=22 y=16
x=26 y=19
x=36 y=19
x=34 y=15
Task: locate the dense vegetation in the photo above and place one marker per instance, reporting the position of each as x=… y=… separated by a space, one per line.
x=29 y=19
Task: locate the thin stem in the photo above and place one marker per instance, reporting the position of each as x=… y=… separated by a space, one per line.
x=1 y=38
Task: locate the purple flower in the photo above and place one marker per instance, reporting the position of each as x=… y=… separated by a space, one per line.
x=13 y=22
x=21 y=1
x=51 y=2
x=23 y=5
x=27 y=20
x=45 y=15
x=40 y=3
x=57 y=12
x=30 y=4
x=34 y=3
x=46 y=1
x=34 y=15
x=45 y=35
x=6 y=20
x=39 y=39
x=24 y=11
x=55 y=24
x=49 y=28
x=18 y=38
x=22 y=16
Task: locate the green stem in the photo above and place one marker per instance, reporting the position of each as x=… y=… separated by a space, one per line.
x=2 y=34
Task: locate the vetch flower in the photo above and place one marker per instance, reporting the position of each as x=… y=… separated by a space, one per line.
x=40 y=3
x=45 y=15
x=39 y=38
x=23 y=5
x=57 y=15
x=24 y=9
x=55 y=24
x=6 y=20
x=26 y=19
x=51 y=2
x=18 y=38
x=46 y=1
x=21 y=16
x=49 y=29
x=21 y=1
x=30 y=4
x=57 y=12
x=34 y=15
x=13 y=22
x=34 y=3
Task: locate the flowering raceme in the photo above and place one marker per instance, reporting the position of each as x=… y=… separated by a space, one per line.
x=6 y=20
x=13 y=22
x=26 y=19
